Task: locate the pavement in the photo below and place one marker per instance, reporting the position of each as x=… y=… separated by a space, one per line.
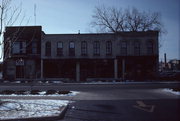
x=132 y=102
x=123 y=110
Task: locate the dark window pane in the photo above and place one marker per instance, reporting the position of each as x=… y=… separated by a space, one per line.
x=83 y=48
x=124 y=48
x=59 y=49
x=48 y=49
x=96 y=48
x=136 y=48
x=71 y=49
x=150 y=48
x=108 y=48
x=34 y=47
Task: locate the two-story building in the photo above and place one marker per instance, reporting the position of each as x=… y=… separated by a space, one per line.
x=81 y=57
x=22 y=52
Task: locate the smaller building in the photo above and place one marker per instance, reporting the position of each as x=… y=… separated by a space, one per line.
x=22 y=52
x=172 y=65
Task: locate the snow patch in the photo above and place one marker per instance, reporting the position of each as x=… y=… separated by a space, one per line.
x=43 y=93
x=18 y=109
x=171 y=91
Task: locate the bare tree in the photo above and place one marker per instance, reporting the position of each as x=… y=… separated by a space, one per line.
x=8 y=16
x=117 y=20
x=110 y=20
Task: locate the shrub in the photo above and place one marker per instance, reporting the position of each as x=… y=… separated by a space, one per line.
x=34 y=92
x=63 y=92
x=49 y=92
x=20 y=92
x=8 y=92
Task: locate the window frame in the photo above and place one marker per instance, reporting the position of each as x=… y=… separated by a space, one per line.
x=59 y=49
x=124 y=48
x=84 y=48
x=150 y=47
x=34 y=47
x=137 y=48
x=71 y=49
x=48 y=48
x=96 y=48
x=20 y=47
x=108 y=48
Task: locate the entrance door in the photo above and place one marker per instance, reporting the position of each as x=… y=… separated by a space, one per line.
x=19 y=72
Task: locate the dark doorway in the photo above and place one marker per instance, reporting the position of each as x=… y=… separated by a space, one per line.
x=19 y=71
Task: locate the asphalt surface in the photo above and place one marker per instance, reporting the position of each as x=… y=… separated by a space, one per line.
x=123 y=110
x=114 y=102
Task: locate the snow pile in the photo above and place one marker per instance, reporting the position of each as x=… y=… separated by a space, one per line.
x=43 y=93
x=18 y=109
x=171 y=91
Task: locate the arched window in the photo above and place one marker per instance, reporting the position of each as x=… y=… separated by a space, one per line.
x=59 y=48
x=108 y=48
x=96 y=48
x=137 y=48
x=48 y=49
x=72 y=48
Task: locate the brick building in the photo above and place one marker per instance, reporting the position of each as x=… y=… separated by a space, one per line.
x=30 y=53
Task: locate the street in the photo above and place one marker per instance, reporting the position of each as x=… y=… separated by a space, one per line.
x=114 y=102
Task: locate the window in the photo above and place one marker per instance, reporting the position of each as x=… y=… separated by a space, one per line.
x=59 y=49
x=19 y=47
x=150 y=48
x=34 y=48
x=124 y=48
x=23 y=47
x=48 y=49
x=83 y=48
x=96 y=48
x=108 y=48
x=137 y=48
x=16 y=48
x=72 y=48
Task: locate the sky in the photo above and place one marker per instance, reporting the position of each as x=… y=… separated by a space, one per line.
x=69 y=16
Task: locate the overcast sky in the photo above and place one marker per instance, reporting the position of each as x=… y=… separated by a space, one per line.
x=69 y=16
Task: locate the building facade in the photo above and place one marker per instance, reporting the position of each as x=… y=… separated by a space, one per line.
x=22 y=52
x=83 y=57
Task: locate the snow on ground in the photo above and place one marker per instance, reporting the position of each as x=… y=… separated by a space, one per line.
x=17 y=109
x=171 y=91
x=43 y=93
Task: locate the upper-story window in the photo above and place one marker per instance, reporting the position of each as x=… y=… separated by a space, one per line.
x=23 y=47
x=108 y=48
x=48 y=49
x=34 y=47
x=83 y=48
x=149 y=47
x=96 y=46
x=59 y=49
x=137 y=48
x=18 y=47
x=124 y=48
x=72 y=48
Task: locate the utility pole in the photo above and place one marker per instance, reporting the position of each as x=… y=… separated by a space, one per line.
x=123 y=69
x=35 y=14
